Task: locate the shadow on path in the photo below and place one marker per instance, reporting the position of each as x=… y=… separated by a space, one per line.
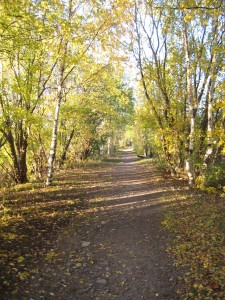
x=126 y=257
x=116 y=248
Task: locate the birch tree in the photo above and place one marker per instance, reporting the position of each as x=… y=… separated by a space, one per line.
x=66 y=34
x=93 y=23
x=23 y=81
x=153 y=68
x=180 y=71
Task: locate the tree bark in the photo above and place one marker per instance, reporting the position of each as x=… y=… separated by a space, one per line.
x=160 y=66
x=53 y=147
x=108 y=146
x=63 y=157
x=189 y=165
x=59 y=98
x=209 y=147
x=19 y=159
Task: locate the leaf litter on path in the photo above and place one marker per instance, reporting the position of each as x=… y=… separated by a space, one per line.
x=129 y=244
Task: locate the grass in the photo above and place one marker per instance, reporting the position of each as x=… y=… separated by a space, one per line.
x=143 y=161
x=112 y=160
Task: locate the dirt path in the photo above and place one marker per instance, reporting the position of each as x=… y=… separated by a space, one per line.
x=117 y=249
x=127 y=243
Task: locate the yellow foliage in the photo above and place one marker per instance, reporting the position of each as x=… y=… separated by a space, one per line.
x=211 y=190
x=199 y=181
x=188 y=18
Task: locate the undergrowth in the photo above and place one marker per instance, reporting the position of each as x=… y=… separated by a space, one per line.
x=198 y=224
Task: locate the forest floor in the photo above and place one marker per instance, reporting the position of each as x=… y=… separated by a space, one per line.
x=95 y=234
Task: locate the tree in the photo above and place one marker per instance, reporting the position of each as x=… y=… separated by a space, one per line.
x=23 y=80
x=172 y=41
x=95 y=112
x=92 y=27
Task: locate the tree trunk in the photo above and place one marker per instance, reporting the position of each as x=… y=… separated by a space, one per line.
x=19 y=159
x=53 y=146
x=209 y=148
x=23 y=162
x=63 y=157
x=108 y=146
x=168 y=158
x=189 y=165
x=62 y=79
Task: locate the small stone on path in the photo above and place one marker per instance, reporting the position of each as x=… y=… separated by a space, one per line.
x=86 y=244
x=101 y=281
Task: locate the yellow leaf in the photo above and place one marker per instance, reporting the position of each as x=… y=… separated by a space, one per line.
x=23 y=275
x=187 y=18
x=20 y=259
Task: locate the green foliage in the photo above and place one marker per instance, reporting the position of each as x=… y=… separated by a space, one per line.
x=97 y=113
x=146 y=133
x=160 y=163
x=36 y=41
x=214 y=177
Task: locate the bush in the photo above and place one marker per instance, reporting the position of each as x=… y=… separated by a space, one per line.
x=215 y=176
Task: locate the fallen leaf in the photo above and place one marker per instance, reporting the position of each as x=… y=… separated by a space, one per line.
x=20 y=259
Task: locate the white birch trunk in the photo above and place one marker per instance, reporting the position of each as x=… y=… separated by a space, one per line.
x=62 y=78
x=53 y=146
x=108 y=146
x=209 y=148
x=189 y=161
